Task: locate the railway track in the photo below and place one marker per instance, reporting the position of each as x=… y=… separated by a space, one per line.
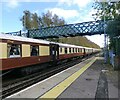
x=12 y=87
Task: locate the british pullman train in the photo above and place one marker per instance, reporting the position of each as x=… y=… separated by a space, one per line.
x=19 y=52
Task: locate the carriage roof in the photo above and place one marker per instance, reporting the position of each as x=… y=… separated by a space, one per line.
x=25 y=39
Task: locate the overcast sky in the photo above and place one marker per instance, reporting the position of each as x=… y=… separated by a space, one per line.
x=73 y=11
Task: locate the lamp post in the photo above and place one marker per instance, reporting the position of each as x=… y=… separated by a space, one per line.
x=105 y=38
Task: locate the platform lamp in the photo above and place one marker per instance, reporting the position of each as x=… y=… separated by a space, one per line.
x=105 y=36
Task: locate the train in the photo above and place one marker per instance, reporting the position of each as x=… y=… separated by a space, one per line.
x=17 y=52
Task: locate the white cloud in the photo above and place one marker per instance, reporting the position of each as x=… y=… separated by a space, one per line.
x=73 y=16
x=85 y=17
x=64 y=13
x=89 y=16
x=12 y=3
x=32 y=0
x=98 y=39
x=68 y=2
x=79 y=3
x=107 y=0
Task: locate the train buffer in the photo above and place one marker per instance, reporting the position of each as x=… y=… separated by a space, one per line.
x=91 y=78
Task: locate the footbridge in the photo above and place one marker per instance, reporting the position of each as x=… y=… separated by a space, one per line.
x=69 y=30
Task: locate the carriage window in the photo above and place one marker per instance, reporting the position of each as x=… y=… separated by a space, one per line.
x=14 y=50
x=80 y=50
x=76 y=50
x=69 y=50
x=66 y=50
x=83 y=50
x=60 y=50
x=73 y=50
x=34 y=50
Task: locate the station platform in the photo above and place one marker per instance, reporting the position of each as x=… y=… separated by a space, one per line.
x=90 y=79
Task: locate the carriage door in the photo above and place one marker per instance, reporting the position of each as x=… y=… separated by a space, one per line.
x=84 y=51
x=54 y=51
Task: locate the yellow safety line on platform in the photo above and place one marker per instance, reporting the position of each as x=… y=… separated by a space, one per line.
x=58 y=89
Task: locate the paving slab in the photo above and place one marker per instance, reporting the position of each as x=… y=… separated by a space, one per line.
x=86 y=85
x=42 y=87
x=98 y=81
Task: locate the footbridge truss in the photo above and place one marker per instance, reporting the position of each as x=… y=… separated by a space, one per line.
x=70 y=30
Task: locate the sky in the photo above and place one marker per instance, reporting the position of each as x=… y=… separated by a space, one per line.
x=73 y=11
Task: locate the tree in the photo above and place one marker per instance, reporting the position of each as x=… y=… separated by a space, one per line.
x=57 y=21
x=30 y=20
x=113 y=30
x=26 y=20
x=61 y=21
x=33 y=21
x=49 y=20
x=111 y=11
